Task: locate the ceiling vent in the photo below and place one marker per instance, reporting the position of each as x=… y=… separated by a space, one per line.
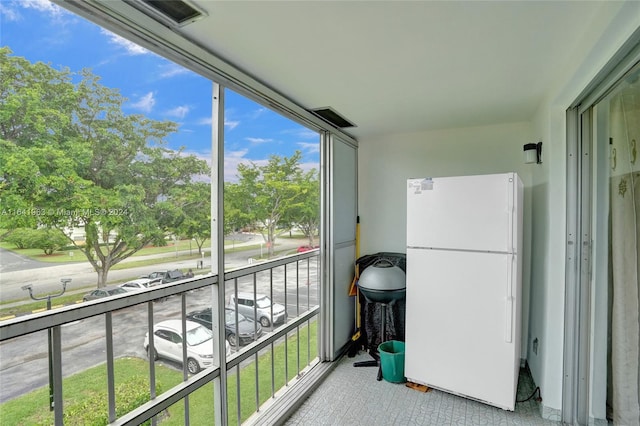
x=329 y=115
x=173 y=12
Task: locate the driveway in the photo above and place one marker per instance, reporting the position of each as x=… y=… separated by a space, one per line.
x=10 y=261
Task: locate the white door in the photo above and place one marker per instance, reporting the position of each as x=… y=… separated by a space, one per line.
x=462 y=212
x=462 y=328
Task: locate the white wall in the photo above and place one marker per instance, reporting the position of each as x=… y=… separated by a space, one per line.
x=385 y=163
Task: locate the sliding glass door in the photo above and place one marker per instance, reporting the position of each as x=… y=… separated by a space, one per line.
x=605 y=342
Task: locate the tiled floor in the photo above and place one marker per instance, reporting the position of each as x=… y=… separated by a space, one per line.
x=352 y=396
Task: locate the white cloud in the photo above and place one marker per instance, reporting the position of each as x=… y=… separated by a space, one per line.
x=308 y=166
x=43 y=6
x=204 y=121
x=146 y=103
x=231 y=161
x=8 y=13
x=9 y=9
x=171 y=70
x=258 y=140
x=179 y=111
x=257 y=113
x=230 y=124
x=302 y=133
x=130 y=47
x=309 y=147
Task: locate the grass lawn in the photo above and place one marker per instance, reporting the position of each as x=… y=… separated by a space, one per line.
x=87 y=390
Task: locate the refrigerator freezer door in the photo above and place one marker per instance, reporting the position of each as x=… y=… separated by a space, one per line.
x=462 y=328
x=462 y=213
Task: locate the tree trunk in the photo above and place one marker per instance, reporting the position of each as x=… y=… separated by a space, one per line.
x=102 y=268
x=102 y=278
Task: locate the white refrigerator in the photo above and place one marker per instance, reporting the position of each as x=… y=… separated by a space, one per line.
x=463 y=296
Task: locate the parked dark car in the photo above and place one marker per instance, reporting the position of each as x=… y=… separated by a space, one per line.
x=248 y=330
x=103 y=292
x=163 y=277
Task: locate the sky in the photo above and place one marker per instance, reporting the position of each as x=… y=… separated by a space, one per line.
x=41 y=31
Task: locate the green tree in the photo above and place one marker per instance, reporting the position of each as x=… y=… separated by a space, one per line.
x=266 y=196
x=305 y=215
x=36 y=109
x=195 y=202
x=73 y=158
x=235 y=215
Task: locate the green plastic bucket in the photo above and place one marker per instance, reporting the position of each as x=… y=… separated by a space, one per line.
x=392 y=361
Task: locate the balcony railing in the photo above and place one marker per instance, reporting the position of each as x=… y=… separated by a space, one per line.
x=102 y=331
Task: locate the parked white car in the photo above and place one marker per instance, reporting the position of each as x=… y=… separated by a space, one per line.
x=258 y=308
x=168 y=340
x=138 y=284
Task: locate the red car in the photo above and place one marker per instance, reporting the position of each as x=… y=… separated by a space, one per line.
x=302 y=249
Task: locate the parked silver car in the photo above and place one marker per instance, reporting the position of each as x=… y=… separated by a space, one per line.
x=137 y=284
x=258 y=308
x=168 y=340
x=103 y=292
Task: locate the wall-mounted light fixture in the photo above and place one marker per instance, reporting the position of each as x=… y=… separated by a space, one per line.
x=533 y=153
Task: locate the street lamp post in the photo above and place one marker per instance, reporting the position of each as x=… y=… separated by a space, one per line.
x=175 y=243
x=48 y=298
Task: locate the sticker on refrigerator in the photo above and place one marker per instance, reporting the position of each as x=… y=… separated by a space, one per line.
x=419 y=185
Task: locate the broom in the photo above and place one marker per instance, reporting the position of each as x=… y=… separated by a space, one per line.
x=354 y=291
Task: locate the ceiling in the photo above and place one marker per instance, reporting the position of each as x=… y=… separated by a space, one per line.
x=401 y=66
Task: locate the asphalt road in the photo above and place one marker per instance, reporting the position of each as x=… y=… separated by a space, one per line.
x=24 y=362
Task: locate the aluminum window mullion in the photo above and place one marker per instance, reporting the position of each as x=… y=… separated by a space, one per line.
x=152 y=364
x=111 y=387
x=575 y=394
x=185 y=360
x=238 y=396
x=309 y=307
x=217 y=252
x=584 y=282
x=326 y=222
x=273 y=374
x=237 y=329
x=257 y=379
x=58 y=407
x=286 y=336
x=298 y=313
x=286 y=307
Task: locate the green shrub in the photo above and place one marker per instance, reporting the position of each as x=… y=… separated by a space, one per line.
x=49 y=240
x=22 y=238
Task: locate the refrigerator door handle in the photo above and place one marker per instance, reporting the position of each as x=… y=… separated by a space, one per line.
x=511 y=187
x=508 y=332
x=508 y=315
